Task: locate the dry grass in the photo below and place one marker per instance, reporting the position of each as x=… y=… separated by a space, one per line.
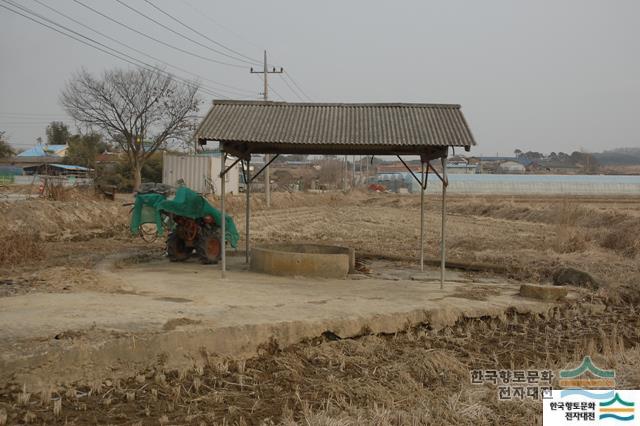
x=419 y=376
x=412 y=377
x=77 y=219
x=577 y=225
x=19 y=247
x=623 y=239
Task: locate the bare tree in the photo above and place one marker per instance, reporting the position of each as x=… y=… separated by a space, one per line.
x=141 y=110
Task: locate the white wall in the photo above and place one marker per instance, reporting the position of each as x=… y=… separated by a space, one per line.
x=199 y=173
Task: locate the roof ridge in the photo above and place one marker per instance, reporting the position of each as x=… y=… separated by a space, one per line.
x=336 y=104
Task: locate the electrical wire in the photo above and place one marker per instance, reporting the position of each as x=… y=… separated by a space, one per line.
x=276 y=92
x=117 y=54
x=232 y=89
x=187 y=52
x=254 y=61
x=199 y=12
x=270 y=88
x=30 y=115
x=133 y=9
x=296 y=84
x=291 y=88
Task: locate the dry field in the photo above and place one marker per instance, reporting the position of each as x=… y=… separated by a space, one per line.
x=418 y=376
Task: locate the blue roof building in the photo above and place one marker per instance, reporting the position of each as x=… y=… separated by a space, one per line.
x=45 y=151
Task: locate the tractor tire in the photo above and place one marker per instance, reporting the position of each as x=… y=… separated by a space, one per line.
x=208 y=246
x=177 y=250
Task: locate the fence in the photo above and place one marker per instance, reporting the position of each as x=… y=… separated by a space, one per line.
x=65 y=180
x=536 y=184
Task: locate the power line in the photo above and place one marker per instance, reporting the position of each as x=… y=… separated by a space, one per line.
x=117 y=54
x=299 y=88
x=291 y=89
x=63 y=33
x=31 y=124
x=133 y=9
x=28 y=123
x=276 y=92
x=13 y=120
x=203 y=14
x=234 y=90
x=201 y=34
x=29 y=114
x=204 y=58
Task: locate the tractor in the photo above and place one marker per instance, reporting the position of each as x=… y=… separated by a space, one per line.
x=193 y=223
x=201 y=236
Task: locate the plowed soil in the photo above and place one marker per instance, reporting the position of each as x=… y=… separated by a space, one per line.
x=417 y=376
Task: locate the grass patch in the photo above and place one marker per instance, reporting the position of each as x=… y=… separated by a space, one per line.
x=18 y=247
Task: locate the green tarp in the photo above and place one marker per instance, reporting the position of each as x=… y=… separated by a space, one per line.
x=187 y=203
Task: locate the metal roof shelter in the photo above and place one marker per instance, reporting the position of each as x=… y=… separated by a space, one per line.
x=244 y=128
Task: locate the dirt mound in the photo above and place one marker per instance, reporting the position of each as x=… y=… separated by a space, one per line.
x=64 y=220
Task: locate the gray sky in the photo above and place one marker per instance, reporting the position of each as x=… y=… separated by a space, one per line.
x=545 y=75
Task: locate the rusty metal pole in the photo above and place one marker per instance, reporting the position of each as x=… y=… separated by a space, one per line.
x=443 y=247
x=422 y=220
x=247 y=190
x=223 y=237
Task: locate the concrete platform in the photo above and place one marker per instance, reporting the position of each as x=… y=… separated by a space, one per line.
x=175 y=310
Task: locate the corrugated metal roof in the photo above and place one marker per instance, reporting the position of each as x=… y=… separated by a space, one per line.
x=36 y=151
x=43 y=151
x=71 y=167
x=336 y=124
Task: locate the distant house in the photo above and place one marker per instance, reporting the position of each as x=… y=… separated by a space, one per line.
x=511 y=168
x=492 y=164
x=45 y=151
x=39 y=154
x=461 y=166
x=55 y=169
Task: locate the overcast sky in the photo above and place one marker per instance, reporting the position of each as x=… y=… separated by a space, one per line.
x=544 y=75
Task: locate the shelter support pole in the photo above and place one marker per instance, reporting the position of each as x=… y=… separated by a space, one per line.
x=247 y=190
x=267 y=182
x=224 y=171
x=264 y=167
x=423 y=187
x=223 y=237
x=443 y=248
x=410 y=171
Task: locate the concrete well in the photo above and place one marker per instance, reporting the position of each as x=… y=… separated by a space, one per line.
x=307 y=260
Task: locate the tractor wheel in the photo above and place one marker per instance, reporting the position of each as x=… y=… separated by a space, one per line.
x=208 y=246
x=177 y=250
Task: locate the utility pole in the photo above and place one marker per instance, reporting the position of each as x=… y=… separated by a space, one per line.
x=265 y=96
x=345 y=176
x=353 y=173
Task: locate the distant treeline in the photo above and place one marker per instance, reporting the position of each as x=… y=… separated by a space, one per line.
x=619 y=157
